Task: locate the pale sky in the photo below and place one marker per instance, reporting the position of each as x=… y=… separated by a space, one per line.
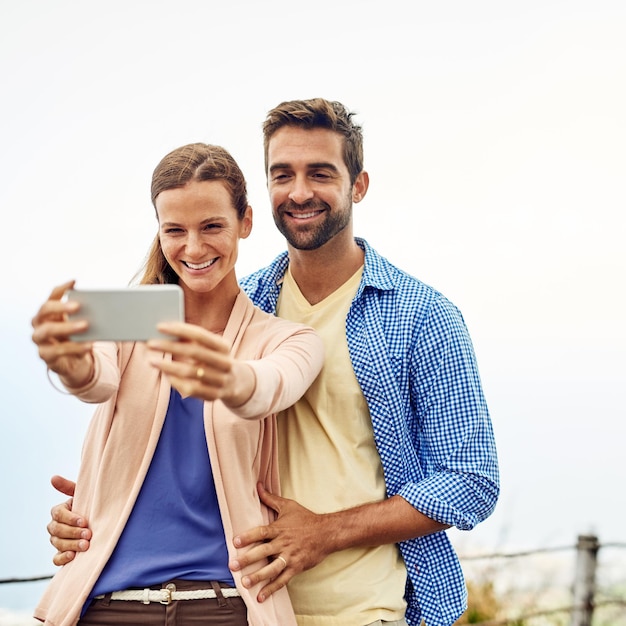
x=495 y=137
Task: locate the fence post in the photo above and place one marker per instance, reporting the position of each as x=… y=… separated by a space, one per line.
x=585 y=580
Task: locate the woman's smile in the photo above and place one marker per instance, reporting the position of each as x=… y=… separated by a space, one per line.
x=199 y=266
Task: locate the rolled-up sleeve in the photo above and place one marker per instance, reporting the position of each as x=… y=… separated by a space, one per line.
x=454 y=435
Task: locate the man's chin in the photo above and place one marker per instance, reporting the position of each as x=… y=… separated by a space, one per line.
x=300 y=243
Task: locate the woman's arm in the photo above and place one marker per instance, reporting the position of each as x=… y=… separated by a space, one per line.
x=202 y=367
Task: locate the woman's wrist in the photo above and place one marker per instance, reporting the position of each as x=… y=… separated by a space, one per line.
x=82 y=375
x=243 y=385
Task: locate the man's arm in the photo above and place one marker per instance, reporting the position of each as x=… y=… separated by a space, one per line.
x=302 y=539
x=69 y=532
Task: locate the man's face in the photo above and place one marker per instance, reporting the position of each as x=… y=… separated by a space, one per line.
x=309 y=185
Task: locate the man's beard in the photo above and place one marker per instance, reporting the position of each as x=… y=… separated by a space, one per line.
x=311 y=237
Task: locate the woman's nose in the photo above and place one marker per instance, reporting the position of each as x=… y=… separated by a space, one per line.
x=194 y=243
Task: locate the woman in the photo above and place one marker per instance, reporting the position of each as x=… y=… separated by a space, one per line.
x=185 y=428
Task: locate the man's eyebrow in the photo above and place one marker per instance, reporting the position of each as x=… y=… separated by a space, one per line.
x=310 y=166
x=323 y=165
x=279 y=166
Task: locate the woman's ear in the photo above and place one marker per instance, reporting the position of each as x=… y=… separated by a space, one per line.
x=245 y=227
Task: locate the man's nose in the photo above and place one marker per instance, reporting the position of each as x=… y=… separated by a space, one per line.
x=301 y=191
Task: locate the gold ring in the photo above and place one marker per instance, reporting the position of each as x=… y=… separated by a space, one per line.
x=283 y=560
x=199 y=372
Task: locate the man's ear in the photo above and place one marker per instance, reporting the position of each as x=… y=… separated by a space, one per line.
x=361 y=184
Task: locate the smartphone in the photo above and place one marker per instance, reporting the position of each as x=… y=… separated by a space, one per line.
x=126 y=314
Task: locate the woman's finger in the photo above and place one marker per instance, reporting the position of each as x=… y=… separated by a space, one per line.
x=192 y=332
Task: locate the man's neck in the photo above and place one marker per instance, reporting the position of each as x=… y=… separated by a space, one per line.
x=318 y=273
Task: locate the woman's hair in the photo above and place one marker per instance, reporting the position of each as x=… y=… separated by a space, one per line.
x=194 y=162
x=319 y=113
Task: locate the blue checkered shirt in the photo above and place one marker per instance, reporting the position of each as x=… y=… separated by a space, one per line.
x=414 y=360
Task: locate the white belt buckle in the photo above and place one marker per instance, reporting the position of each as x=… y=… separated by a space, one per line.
x=168 y=591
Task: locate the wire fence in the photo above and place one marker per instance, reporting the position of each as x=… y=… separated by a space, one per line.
x=590 y=603
x=551 y=592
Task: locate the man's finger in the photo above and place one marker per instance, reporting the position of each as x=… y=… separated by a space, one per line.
x=62 y=558
x=269 y=499
x=254 y=535
x=60 y=531
x=272 y=571
x=274 y=586
x=64 y=485
x=69 y=545
x=63 y=520
x=257 y=555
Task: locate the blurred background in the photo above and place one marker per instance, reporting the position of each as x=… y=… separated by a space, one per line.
x=495 y=140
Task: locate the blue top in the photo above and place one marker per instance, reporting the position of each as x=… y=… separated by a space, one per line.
x=175 y=529
x=414 y=360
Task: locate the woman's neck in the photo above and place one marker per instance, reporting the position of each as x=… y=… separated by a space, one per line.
x=211 y=310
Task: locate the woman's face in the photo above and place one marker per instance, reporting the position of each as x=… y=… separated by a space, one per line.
x=199 y=232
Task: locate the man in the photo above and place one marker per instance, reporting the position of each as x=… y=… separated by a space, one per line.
x=393 y=443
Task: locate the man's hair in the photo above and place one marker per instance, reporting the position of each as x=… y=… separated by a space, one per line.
x=193 y=162
x=319 y=113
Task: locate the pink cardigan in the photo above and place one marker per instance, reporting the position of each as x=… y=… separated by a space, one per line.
x=124 y=431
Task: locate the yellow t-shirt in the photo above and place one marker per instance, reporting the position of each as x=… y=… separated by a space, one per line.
x=328 y=461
